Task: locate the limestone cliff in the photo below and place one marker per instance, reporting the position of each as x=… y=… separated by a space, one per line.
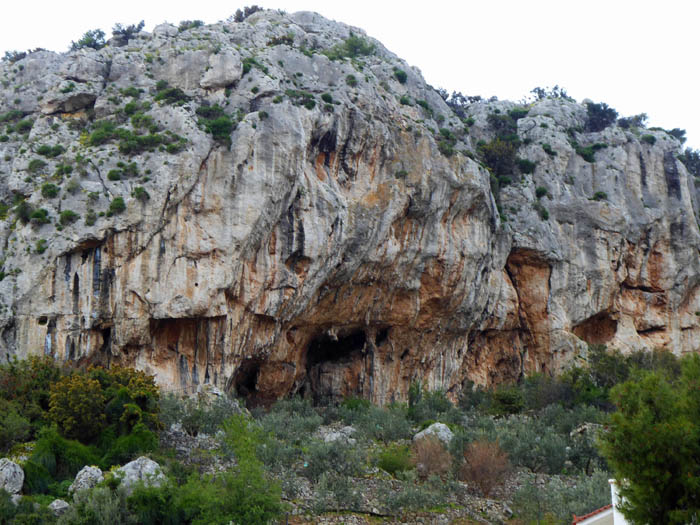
x=344 y=237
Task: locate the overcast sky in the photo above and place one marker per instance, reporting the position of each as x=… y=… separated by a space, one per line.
x=637 y=56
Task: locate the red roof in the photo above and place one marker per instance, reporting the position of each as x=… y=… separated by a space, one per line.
x=579 y=519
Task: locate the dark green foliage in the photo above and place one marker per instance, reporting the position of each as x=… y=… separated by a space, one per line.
x=50 y=151
x=555 y=92
x=301 y=98
x=216 y=122
x=691 y=159
x=653 y=443
x=94 y=38
x=599 y=116
x=189 y=24
x=518 y=113
x=23 y=211
x=540 y=192
x=499 y=155
x=40 y=216
x=197 y=416
x=600 y=196
x=13 y=56
x=395 y=458
x=132 y=92
x=140 y=193
x=338 y=457
x=11 y=116
x=171 y=96
x=405 y=101
x=648 y=139
x=351 y=80
x=588 y=152
x=635 y=121
x=542 y=211
x=353 y=47
x=526 y=166
x=117 y=206
x=250 y=62
x=68 y=217
x=58 y=457
x=103 y=131
x=122 y=34
x=23 y=126
x=36 y=165
x=291 y=420
x=327 y=98
x=114 y=175
x=131 y=107
x=41 y=246
x=400 y=75
x=678 y=134
x=548 y=150
x=240 y=16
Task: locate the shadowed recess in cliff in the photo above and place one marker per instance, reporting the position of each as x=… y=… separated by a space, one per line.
x=597 y=329
x=334 y=366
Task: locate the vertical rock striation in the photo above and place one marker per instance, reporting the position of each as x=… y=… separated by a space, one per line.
x=345 y=243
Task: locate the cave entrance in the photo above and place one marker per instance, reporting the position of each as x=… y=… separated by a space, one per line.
x=245 y=382
x=335 y=366
x=597 y=329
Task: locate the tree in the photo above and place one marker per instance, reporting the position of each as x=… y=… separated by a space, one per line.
x=95 y=39
x=653 y=444
x=600 y=116
x=121 y=35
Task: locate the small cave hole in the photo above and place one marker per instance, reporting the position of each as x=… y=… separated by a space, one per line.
x=245 y=380
x=43 y=320
x=597 y=329
x=382 y=336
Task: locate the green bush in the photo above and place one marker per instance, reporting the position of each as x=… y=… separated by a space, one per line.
x=68 y=217
x=14 y=428
x=526 y=166
x=99 y=506
x=77 y=407
x=400 y=75
x=36 y=165
x=600 y=196
x=171 y=96
x=327 y=98
x=197 y=416
x=40 y=216
x=548 y=150
x=114 y=175
x=351 y=80
x=540 y=192
x=50 y=151
x=140 y=193
x=49 y=190
x=649 y=139
x=384 y=424
x=599 y=116
x=395 y=458
x=588 y=152
x=94 y=39
x=499 y=155
x=337 y=457
x=291 y=420
x=353 y=47
x=117 y=206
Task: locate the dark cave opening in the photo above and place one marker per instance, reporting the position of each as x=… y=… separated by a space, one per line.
x=334 y=367
x=327 y=348
x=382 y=335
x=245 y=381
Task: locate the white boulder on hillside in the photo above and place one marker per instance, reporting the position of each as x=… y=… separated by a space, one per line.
x=439 y=430
x=87 y=478
x=11 y=476
x=141 y=469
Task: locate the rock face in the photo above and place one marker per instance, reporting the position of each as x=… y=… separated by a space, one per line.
x=347 y=242
x=141 y=469
x=439 y=430
x=87 y=478
x=11 y=476
x=59 y=507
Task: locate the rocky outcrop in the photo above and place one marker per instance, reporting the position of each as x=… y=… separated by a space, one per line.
x=436 y=430
x=85 y=479
x=11 y=476
x=347 y=242
x=59 y=507
x=141 y=470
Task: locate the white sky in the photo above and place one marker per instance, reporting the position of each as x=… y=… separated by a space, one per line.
x=638 y=56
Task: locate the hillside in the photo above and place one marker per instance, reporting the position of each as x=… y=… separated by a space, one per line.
x=281 y=205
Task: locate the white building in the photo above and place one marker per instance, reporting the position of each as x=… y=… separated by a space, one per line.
x=608 y=515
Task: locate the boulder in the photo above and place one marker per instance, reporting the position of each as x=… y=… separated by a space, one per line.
x=87 y=478
x=165 y=30
x=343 y=434
x=439 y=430
x=59 y=507
x=141 y=469
x=11 y=476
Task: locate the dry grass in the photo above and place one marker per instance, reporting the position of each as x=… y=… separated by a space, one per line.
x=485 y=466
x=430 y=457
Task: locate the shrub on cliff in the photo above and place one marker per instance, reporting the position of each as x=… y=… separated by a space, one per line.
x=599 y=116
x=94 y=39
